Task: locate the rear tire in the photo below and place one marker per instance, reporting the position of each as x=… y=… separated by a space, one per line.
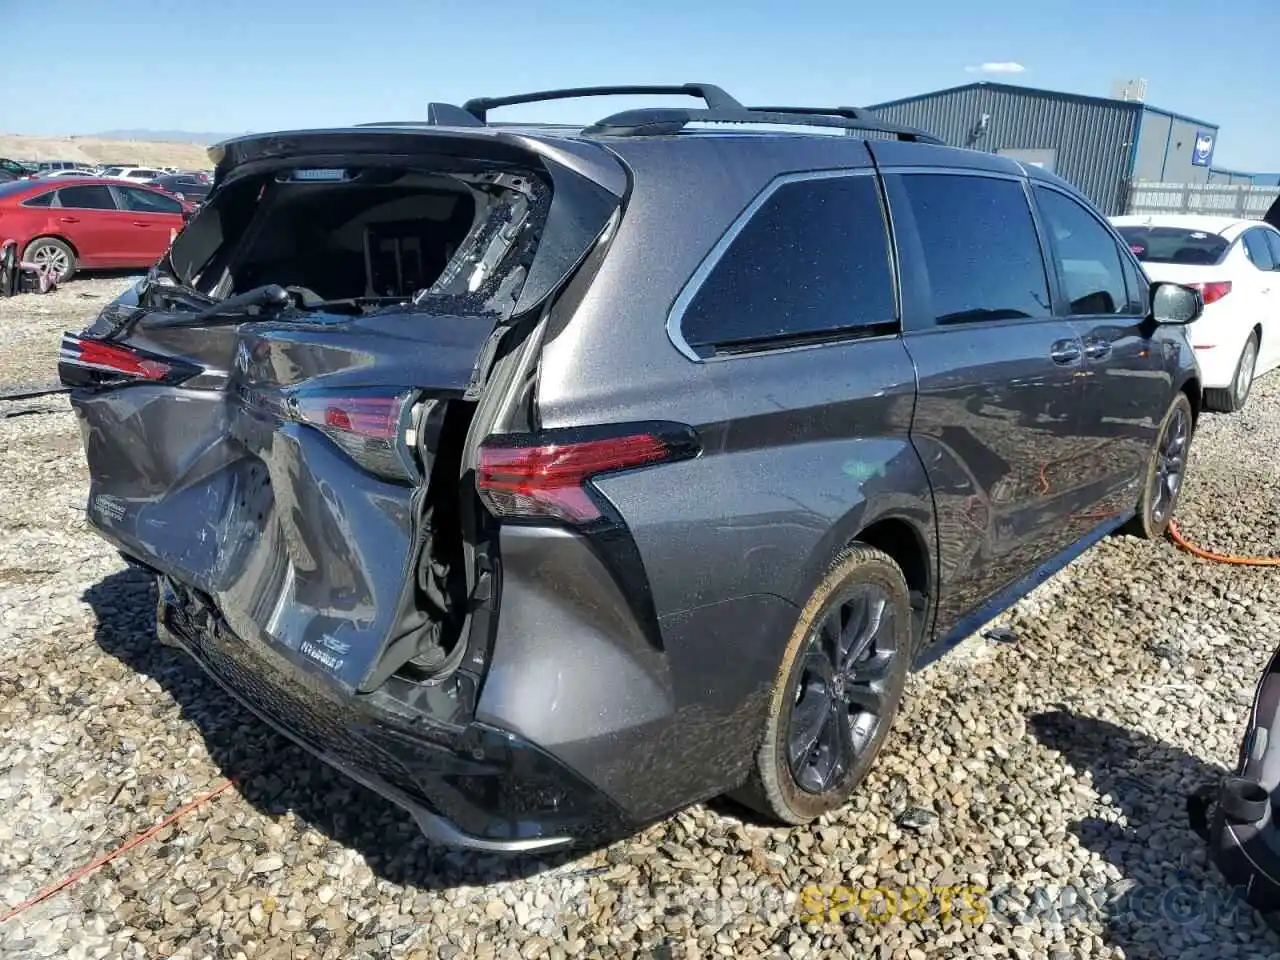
x=54 y=251
x=1233 y=398
x=1166 y=472
x=837 y=690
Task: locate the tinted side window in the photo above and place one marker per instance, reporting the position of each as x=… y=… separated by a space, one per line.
x=40 y=200
x=1273 y=240
x=813 y=260
x=1255 y=245
x=1085 y=255
x=980 y=248
x=87 y=198
x=144 y=201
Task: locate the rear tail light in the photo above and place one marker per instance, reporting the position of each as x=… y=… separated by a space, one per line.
x=370 y=428
x=88 y=362
x=1212 y=291
x=548 y=477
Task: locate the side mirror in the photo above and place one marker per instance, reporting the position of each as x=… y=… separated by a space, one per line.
x=1172 y=303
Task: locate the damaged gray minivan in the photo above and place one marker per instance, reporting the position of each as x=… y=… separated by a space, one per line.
x=548 y=479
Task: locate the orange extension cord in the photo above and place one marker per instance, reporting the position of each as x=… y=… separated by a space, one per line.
x=1176 y=535
x=93 y=865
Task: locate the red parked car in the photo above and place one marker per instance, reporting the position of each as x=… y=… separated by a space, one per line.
x=86 y=223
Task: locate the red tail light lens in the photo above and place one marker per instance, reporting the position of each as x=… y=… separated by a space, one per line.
x=113 y=359
x=86 y=362
x=369 y=428
x=549 y=480
x=1212 y=291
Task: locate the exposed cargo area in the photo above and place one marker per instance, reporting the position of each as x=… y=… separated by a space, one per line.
x=390 y=234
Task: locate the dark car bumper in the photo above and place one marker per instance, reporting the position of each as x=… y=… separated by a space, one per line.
x=475 y=787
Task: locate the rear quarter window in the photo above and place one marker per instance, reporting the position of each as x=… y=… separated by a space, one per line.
x=1273 y=241
x=1258 y=250
x=810 y=263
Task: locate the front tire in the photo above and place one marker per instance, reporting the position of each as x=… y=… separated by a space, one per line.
x=1166 y=471
x=837 y=690
x=1232 y=398
x=56 y=253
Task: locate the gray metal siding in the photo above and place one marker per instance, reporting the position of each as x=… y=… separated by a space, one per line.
x=1178 y=167
x=1152 y=139
x=1165 y=147
x=1091 y=140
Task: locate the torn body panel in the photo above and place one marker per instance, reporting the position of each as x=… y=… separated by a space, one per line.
x=303 y=476
x=232 y=492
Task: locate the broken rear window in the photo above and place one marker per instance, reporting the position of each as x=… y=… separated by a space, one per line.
x=457 y=243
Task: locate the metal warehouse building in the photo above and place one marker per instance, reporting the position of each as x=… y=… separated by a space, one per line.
x=1098 y=144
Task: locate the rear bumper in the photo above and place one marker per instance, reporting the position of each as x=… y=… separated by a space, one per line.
x=1217 y=365
x=476 y=787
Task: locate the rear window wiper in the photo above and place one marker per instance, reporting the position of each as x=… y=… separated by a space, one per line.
x=307 y=300
x=232 y=309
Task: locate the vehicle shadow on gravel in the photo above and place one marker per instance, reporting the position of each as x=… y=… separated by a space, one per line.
x=274 y=774
x=1170 y=901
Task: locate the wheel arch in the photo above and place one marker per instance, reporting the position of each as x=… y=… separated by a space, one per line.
x=53 y=236
x=906 y=543
x=906 y=534
x=1195 y=395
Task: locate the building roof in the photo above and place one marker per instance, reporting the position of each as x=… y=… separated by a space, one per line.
x=1037 y=92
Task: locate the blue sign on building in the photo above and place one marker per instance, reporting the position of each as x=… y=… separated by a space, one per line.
x=1202 y=154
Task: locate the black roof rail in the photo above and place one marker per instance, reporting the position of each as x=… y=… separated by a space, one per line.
x=709 y=93
x=664 y=122
x=849 y=113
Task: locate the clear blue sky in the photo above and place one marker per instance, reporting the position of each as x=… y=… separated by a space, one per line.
x=81 y=66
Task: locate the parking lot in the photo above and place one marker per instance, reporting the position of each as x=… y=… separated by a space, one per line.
x=1030 y=803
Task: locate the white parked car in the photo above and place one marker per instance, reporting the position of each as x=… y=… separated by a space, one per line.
x=135 y=174
x=72 y=172
x=1236 y=266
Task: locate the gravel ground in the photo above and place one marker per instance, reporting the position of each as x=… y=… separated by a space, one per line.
x=1046 y=777
x=31 y=327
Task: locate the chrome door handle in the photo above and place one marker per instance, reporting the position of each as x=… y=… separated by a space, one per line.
x=1097 y=349
x=1065 y=351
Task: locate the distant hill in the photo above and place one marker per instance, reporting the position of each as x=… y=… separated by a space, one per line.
x=146 y=151
x=164 y=136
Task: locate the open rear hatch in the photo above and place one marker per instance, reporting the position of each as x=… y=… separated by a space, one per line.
x=276 y=420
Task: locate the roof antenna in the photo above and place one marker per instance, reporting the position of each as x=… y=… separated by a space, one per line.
x=448 y=115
